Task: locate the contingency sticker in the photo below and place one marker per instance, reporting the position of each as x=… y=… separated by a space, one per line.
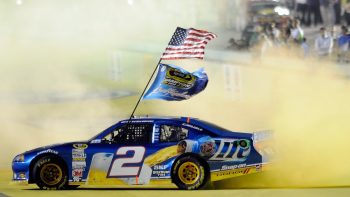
x=78 y=161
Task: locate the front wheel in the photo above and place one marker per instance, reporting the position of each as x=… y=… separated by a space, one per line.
x=189 y=173
x=50 y=173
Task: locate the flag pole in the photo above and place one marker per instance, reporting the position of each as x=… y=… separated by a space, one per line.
x=144 y=90
x=155 y=69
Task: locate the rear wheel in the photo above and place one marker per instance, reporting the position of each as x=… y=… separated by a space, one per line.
x=50 y=173
x=189 y=173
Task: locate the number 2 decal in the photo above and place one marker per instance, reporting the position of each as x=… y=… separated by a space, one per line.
x=127 y=165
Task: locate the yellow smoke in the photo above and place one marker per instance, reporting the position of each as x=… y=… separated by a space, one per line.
x=308 y=112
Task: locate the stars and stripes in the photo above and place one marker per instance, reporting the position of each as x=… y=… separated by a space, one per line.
x=187 y=43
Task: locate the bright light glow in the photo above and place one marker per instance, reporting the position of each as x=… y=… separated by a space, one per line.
x=130 y=2
x=19 y=2
x=281 y=10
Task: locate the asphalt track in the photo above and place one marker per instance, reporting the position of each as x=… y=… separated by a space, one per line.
x=9 y=189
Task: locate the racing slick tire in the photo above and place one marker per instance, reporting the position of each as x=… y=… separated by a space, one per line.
x=50 y=173
x=189 y=173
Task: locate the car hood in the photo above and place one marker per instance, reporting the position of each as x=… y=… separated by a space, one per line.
x=54 y=146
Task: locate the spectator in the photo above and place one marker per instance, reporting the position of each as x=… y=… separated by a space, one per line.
x=255 y=37
x=323 y=43
x=274 y=34
x=286 y=28
x=301 y=10
x=347 y=13
x=327 y=11
x=275 y=31
x=313 y=9
x=334 y=33
x=297 y=33
x=305 y=47
x=337 y=11
x=343 y=45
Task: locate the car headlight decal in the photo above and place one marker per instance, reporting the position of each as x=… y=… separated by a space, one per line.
x=19 y=158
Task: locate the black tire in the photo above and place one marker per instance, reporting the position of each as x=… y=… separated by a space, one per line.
x=189 y=173
x=50 y=172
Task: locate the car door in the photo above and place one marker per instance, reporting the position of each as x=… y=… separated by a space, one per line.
x=119 y=159
x=165 y=139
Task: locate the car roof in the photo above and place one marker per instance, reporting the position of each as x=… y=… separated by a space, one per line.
x=215 y=129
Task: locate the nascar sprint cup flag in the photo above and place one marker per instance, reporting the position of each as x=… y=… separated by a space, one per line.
x=173 y=83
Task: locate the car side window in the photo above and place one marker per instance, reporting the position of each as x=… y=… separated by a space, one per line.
x=130 y=134
x=170 y=133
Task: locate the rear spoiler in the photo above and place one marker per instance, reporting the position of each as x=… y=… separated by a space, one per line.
x=262 y=135
x=263 y=142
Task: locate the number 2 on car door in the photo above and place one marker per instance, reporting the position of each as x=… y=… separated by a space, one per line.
x=125 y=165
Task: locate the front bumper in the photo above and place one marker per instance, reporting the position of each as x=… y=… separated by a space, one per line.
x=20 y=176
x=19 y=182
x=20 y=171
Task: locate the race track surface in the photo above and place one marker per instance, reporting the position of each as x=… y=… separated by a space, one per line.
x=9 y=189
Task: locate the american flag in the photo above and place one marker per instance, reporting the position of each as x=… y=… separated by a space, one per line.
x=187 y=43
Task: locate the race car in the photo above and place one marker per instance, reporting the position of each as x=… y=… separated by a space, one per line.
x=181 y=151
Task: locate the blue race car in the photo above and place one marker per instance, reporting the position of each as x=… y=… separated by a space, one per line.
x=186 y=152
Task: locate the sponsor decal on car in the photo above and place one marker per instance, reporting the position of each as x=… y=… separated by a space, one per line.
x=160 y=167
x=137 y=121
x=78 y=153
x=96 y=141
x=78 y=164
x=77 y=172
x=181 y=147
x=192 y=126
x=160 y=171
x=77 y=175
x=78 y=161
x=48 y=151
x=208 y=148
x=231 y=167
x=80 y=146
x=234 y=172
x=231 y=150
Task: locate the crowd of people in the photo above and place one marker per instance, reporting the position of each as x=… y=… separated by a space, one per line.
x=326 y=12
x=314 y=28
x=329 y=42
x=334 y=17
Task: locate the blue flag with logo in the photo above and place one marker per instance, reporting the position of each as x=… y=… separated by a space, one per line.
x=173 y=83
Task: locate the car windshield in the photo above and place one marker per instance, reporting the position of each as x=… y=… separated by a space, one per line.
x=95 y=136
x=98 y=134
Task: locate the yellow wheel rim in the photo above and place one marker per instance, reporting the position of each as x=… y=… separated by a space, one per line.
x=51 y=174
x=189 y=173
